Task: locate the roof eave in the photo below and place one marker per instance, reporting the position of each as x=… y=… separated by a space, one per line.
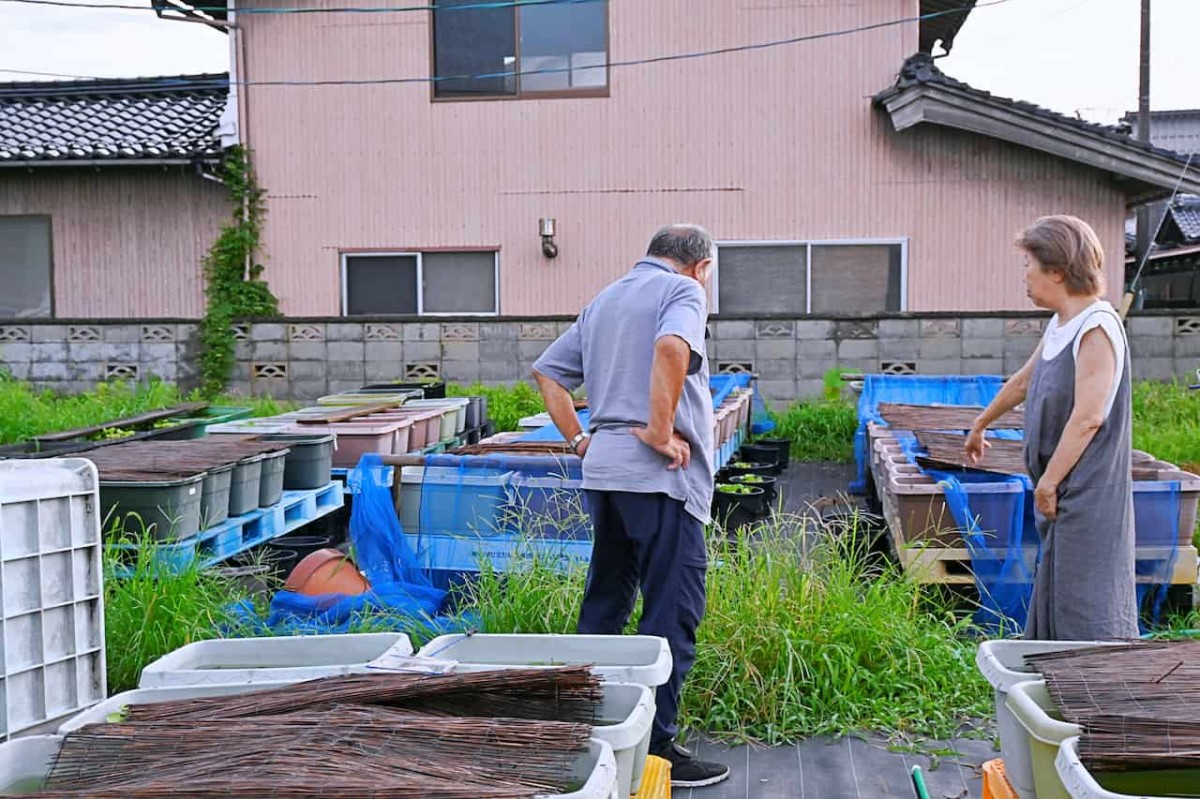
x=35 y=163
x=1153 y=175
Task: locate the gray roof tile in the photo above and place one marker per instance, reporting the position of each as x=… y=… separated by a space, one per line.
x=1185 y=211
x=154 y=119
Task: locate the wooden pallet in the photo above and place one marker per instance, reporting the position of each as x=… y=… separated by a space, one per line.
x=952 y=565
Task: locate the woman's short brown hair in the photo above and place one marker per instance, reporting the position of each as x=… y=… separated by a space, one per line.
x=1068 y=245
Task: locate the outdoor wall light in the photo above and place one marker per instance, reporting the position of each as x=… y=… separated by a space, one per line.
x=546 y=228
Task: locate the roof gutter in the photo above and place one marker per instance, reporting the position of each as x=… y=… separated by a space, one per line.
x=100 y=162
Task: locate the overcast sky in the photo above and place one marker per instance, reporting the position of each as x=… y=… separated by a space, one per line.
x=1074 y=56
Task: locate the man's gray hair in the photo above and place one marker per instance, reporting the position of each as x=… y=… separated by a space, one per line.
x=686 y=244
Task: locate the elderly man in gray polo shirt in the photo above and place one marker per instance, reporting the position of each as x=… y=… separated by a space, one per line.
x=647 y=458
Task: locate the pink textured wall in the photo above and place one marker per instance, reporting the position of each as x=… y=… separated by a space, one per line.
x=126 y=242
x=776 y=144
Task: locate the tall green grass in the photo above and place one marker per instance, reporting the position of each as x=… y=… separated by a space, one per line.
x=820 y=430
x=150 y=612
x=795 y=642
x=1166 y=421
x=507 y=405
x=26 y=411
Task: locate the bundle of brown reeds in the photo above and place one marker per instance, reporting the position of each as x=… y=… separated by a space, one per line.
x=1139 y=743
x=901 y=416
x=335 y=752
x=569 y=694
x=946 y=450
x=1152 y=679
x=141 y=460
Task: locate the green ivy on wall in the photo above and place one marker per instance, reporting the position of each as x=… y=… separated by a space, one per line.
x=234 y=287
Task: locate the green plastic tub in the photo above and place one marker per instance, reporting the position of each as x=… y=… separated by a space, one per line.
x=244 y=487
x=270 y=486
x=214 y=499
x=1034 y=710
x=168 y=509
x=309 y=460
x=199 y=422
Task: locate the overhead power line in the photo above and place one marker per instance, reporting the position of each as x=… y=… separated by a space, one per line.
x=744 y=48
x=479 y=4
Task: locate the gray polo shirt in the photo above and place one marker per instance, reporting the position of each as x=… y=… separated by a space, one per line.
x=611 y=349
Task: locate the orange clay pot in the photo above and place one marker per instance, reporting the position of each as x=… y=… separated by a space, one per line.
x=326 y=571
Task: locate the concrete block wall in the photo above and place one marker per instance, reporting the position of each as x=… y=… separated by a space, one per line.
x=307 y=358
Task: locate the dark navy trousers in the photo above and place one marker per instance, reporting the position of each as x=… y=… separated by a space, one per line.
x=647 y=541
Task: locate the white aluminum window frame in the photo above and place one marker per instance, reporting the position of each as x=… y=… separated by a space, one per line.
x=808 y=244
x=420 y=256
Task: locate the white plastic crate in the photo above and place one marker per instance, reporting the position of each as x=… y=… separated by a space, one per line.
x=281 y=659
x=51 y=607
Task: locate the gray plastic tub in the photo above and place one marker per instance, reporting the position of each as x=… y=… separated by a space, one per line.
x=170 y=509
x=309 y=462
x=270 y=486
x=214 y=498
x=244 y=486
x=475 y=413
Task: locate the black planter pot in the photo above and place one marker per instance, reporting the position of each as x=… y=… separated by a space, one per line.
x=303 y=545
x=765 y=469
x=755 y=453
x=767 y=484
x=783 y=446
x=753 y=504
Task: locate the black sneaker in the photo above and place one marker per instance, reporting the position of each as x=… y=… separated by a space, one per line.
x=687 y=771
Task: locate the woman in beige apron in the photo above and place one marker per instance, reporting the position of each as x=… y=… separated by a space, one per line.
x=1078 y=424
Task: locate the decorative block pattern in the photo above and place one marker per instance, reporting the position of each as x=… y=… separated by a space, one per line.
x=158 y=334
x=376 y=332
x=1023 y=327
x=735 y=367
x=420 y=371
x=941 y=328
x=80 y=333
x=240 y=332
x=267 y=371
x=775 y=329
x=858 y=329
x=537 y=331
x=14 y=333
x=898 y=368
x=121 y=371
x=460 y=332
x=306 y=332
x=1187 y=326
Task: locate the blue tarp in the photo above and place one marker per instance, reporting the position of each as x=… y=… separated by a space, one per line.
x=401 y=596
x=915 y=390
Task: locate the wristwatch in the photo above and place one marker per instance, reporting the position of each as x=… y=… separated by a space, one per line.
x=579 y=437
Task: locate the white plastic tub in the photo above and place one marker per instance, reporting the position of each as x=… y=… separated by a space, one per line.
x=1003 y=664
x=638 y=659
x=626 y=716
x=1031 y=705
x=25 y=763
x=285 y=659
x=598 y=769
x=1080 y=783
x=454 y=408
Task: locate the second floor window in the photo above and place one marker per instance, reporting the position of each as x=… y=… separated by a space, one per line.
x=519 y=51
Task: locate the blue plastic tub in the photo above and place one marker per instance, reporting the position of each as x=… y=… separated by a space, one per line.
x=453 y=501
x=451 y=560
x=1156 y=514
x=548 y=507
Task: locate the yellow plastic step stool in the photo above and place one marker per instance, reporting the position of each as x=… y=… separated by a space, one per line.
x=656 y=779
x=995 y=781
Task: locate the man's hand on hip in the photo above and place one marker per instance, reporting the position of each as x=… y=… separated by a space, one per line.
x=673 y=447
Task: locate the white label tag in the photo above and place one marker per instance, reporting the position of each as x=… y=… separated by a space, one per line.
x=397 y=660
